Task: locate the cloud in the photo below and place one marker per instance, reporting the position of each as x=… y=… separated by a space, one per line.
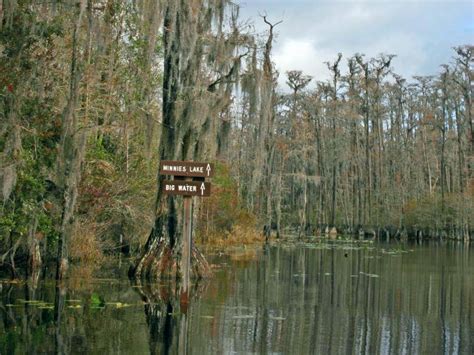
x=298 y=54
x=420 y=32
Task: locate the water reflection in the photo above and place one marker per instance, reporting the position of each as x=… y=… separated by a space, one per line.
x=294 y=299
x=166 y=314
x=305 y=300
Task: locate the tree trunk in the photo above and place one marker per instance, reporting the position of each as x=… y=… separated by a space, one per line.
x=190 y=128
x=71 y=152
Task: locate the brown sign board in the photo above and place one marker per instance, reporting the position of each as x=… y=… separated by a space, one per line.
x=186 y=188
x=186 y=168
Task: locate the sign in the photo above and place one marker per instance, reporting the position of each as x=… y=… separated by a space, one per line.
x=187 y=188
x=189 y=180
x=186 y=168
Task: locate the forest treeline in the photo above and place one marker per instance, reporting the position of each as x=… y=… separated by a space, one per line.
x=93 y=93
x=366 y=151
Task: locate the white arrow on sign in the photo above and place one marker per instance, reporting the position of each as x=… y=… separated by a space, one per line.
x=208 y=169
x=203 y=187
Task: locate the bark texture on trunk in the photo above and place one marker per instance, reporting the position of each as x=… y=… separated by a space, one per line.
x=71 y=149
x=193 y=98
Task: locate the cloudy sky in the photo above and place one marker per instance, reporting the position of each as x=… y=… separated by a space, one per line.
x=420 y=32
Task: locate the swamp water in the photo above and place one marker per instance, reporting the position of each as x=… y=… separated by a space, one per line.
x=304 y=298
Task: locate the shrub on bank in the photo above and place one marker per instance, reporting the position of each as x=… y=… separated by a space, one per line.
x=222 y=219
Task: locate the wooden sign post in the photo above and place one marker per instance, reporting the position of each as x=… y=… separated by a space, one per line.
x=189 y=180
x=187 y=241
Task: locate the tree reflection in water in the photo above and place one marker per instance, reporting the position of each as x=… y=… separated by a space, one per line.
x=167 y=315
x=306 y=298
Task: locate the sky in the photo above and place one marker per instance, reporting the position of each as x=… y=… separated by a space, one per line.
x=420 y=32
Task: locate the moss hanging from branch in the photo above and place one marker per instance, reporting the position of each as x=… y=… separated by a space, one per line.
x=195 y=93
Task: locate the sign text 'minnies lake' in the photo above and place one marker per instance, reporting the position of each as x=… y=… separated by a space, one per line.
x=186 y=168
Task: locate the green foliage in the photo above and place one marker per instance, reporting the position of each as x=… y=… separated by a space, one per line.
x=27 y=204
x=27 y=98
x=118 y=187
x=96 y=301
x=102 y=148
x=7 y=223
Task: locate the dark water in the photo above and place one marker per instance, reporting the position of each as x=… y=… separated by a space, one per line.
x=288 y=299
